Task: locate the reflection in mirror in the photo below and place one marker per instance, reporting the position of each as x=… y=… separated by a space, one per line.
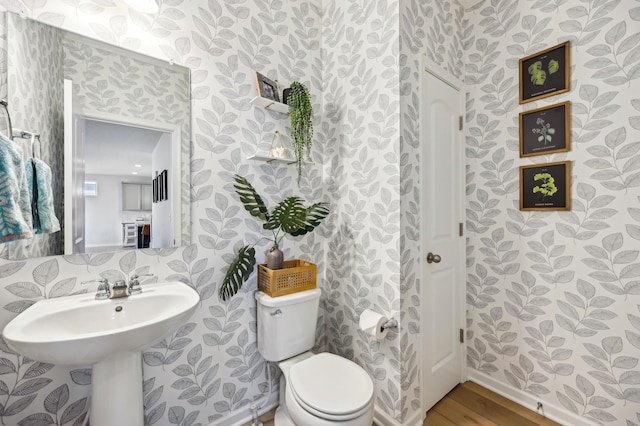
x=122 y=163
x=105 y=85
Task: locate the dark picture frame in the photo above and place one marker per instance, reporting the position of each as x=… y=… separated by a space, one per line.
x=164 y=183
x=545 y=130
x=546 y=187
x=160 y=188
x=267 y=88
x=545 y=73
x=155 y=189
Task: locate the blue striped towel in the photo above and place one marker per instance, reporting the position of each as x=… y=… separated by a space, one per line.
x=15 y=209
x=41 y=196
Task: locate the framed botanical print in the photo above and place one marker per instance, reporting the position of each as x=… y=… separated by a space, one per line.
x=545 y=73
x=546 y=187
x=545 y=130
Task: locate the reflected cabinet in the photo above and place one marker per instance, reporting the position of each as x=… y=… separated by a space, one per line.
x=136 y=196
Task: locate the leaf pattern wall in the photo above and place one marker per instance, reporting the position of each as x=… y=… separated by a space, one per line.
x=35 y=103
x=360 y=135
x=209 y=369
x=552 y=298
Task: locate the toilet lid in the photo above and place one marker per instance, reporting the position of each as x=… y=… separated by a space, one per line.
x=331 y=384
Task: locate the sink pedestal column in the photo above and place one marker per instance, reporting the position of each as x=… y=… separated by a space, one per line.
x=116 y=386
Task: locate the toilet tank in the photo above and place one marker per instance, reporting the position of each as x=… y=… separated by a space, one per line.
x=287 y=324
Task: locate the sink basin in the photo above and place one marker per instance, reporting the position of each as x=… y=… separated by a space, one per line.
x=81 y=330
x=109 y=334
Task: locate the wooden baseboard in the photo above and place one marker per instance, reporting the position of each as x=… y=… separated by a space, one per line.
x=529 y=401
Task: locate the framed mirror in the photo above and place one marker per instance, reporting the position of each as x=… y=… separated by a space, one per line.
x=107 y=116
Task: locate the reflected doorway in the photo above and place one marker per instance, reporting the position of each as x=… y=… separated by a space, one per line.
x=121 y=162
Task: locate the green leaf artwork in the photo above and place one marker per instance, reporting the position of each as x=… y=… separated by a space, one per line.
x=538 y=75
x=548 y=187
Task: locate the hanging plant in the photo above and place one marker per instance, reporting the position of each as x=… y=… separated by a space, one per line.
x=289 y=216
x=301 y=117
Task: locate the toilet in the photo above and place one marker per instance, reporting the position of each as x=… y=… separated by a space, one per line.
x=315 y=389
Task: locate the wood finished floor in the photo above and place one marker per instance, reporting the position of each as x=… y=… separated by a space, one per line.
x=469 y=404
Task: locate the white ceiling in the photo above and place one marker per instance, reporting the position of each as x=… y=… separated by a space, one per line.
x=115 y=149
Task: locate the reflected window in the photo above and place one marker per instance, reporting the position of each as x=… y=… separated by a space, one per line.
x=90 y=188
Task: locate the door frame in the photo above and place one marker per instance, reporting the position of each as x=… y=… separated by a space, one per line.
x=429 y=66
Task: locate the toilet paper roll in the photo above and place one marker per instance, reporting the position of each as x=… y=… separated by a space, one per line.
x=371 y=323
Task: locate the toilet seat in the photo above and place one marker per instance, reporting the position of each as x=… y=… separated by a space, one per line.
x=331 y=387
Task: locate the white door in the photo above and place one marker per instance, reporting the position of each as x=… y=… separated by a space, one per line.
x=73 y=175
x=442 y=246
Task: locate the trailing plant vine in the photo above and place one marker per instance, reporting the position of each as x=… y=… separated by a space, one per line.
x=301 y=117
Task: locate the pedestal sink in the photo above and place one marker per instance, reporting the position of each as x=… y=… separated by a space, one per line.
x=109 y=334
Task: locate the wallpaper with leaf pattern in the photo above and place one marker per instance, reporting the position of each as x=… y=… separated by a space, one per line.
x=34 y=58
x=362 y=180
x=209 y=368
x=553 y=297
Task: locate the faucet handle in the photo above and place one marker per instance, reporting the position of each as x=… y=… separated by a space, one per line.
x=136 y=276
x=134 y=283
x=104 y=291
x=97 y=280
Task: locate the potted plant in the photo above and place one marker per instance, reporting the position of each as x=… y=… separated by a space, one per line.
x=301 y=118
x=289 y=216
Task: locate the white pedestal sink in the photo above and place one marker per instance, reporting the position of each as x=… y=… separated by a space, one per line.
x=108 y=334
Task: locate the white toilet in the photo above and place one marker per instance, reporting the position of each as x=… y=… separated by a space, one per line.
x=315 y=389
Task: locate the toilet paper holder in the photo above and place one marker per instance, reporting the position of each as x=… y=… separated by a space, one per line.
x=391 y=323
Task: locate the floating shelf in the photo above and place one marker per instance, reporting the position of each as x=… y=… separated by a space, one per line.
x=272 y=159
x=270 y=104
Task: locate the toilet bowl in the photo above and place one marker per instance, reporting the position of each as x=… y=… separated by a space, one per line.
x=315 y=389
x=324 y=390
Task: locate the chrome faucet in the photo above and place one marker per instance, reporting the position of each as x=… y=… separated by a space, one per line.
x=119 y=289
x=134 y=283
x=104 y=290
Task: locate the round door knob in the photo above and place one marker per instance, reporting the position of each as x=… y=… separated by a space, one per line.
x=433 y=258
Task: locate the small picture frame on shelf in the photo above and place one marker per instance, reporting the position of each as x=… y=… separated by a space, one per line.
x=545 y=73
x=545 y=187
x=545 y=130
x=267 y=88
